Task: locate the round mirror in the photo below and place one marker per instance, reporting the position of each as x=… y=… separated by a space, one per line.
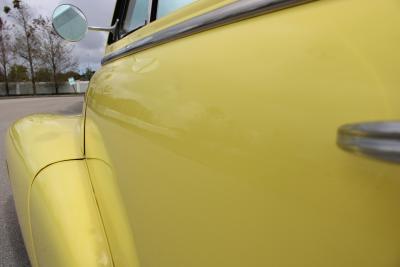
x=70 y=23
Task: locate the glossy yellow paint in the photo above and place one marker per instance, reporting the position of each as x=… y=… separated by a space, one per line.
x=32 y=144
x=221 y=146
x=219 y=149
x=114 y=214
x=34 y=137
x=66 y=225
x=56 y=206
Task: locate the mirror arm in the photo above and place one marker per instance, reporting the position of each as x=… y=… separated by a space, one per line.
x=111 y=29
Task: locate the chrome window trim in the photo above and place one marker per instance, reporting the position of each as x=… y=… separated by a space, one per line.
x=239 y=10
x=150 y=5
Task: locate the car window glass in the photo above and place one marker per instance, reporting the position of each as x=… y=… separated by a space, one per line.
x=136 y=15
x=168 y=6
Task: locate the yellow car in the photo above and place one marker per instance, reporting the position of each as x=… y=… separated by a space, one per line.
x=221 y=133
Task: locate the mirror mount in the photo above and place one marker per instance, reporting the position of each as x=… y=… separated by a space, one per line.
x=111 y=29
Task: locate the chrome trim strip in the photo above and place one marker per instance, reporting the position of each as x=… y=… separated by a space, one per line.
x=239 y=10
x=379 y=140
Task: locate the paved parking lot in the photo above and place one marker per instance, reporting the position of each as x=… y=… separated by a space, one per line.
x=12 y=250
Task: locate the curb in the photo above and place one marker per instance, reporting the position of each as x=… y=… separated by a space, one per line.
x=41 y=96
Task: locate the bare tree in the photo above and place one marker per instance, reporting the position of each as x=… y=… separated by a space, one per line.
x=5 y=51
x=26 y=40
x=56 y=53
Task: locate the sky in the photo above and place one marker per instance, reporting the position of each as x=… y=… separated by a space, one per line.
x=90 y=50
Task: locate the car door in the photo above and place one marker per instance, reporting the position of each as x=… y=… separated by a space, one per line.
x=215 y=144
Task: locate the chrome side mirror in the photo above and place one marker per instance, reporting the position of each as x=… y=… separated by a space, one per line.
x=70 y=23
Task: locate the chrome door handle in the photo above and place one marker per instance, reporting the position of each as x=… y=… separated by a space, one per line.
x=379 y=140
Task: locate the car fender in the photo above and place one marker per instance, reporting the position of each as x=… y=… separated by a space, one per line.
x=35 y=146
x=67 y=229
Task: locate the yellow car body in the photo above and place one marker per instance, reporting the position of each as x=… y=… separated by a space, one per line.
x=218 y=147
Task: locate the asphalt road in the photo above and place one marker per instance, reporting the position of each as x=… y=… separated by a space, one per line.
x=12 y=249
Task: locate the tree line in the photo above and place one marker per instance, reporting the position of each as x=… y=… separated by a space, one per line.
x=31 y=50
